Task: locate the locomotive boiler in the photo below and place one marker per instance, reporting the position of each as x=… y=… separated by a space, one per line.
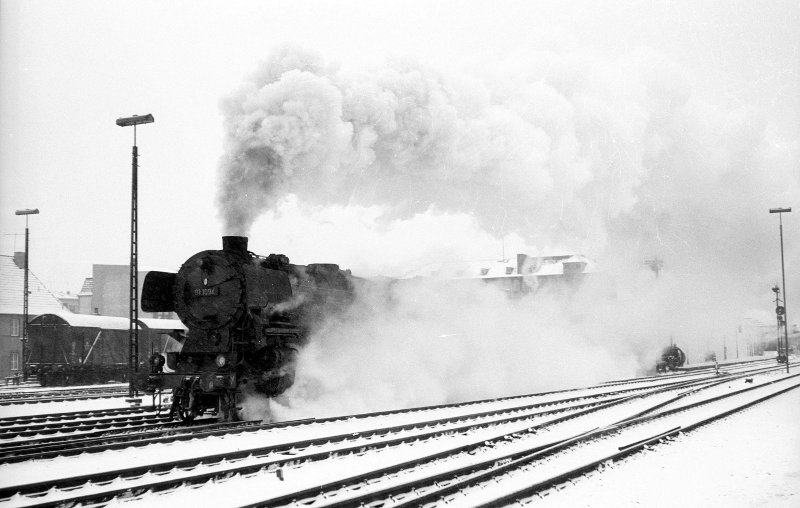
x=246 y=316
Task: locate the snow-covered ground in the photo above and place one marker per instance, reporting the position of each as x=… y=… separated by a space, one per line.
x=750 y=459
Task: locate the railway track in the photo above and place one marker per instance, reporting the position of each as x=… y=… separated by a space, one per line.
x=65 y=416
x=39 y=431
x=91 y=435
x=398 y=456
x=60 y=395
x=695 y=370
x=160 y=432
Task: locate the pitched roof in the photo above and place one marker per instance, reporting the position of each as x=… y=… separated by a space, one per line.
x=105 y=322
x=12 y=282
x=65 y=296
x=88 y=286
x=522 y=264
x=82 y=320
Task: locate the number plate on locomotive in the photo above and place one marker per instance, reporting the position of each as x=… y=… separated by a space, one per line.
x=207 y=291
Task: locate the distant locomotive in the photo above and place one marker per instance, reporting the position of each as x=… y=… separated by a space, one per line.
x=246 y=315
x=671 y=358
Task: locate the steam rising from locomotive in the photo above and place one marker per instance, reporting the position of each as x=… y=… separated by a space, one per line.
x=559 y=147
x=611 y=156
x=246 y=315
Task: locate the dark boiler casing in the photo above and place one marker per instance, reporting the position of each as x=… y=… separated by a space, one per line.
x=246 y=315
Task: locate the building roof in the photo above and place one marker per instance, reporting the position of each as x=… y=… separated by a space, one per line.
x=104 y=322
x=61 y=295
x=555 y=265
x=12 y=282
x=82 y=320
x=522 y=264
x=88 y=286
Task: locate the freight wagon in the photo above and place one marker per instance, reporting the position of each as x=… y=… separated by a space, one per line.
x=72 y=349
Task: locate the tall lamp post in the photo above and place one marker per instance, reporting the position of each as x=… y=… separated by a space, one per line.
x=780 y=212
x=133 y=331
x=26 y=213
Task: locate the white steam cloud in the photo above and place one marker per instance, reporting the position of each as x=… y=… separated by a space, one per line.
x=399 y=167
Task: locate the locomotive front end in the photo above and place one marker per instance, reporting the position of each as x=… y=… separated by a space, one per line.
x=246 y=315
x=210 y=292
x=209 y=295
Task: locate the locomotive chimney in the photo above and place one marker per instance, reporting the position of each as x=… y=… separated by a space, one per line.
x=235 y=244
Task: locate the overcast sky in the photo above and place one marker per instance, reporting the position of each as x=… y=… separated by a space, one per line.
x=68 y=70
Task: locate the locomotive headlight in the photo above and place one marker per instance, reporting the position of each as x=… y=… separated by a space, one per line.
x=156 y=363
x=221 y=361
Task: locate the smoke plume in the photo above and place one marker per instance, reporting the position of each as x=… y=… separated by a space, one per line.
x=403 y=167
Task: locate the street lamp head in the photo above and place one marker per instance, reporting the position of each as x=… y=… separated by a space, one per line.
x=27 y=211
x=780 y=210
x=776 y=289
x=135 y=120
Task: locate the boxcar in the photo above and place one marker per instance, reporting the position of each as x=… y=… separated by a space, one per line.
x=73 y=349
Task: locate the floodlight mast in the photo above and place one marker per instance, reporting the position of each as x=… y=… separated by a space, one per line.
x=780 y=212
x=26 y=212
x=133 y=332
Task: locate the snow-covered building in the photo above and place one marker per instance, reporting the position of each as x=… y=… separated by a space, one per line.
x=40 y=301
x=531 y=273
x=68 y=300
x=85 y=297
x=522 y=274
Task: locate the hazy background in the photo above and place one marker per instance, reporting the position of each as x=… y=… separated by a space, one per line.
x=396 y=137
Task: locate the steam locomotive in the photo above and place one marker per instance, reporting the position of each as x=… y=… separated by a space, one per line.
x=246 y=316
x=671 y=358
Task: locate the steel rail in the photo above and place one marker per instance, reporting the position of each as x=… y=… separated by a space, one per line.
x=302 y=497
x=89 y=442
x=503 y=467
x=64 y=389
x=659 y=388
x=169 y=432
x=700 y=369
x=76 y=427
x=625 y=451
x=202 y=477
x=66 y=398
x=6 y=397
x=137 y=472
x=55 y=417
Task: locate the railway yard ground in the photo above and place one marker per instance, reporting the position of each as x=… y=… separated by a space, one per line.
x=700 y=437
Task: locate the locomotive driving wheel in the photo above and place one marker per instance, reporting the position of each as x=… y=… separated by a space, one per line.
x=227 y=406
x=186 y=402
